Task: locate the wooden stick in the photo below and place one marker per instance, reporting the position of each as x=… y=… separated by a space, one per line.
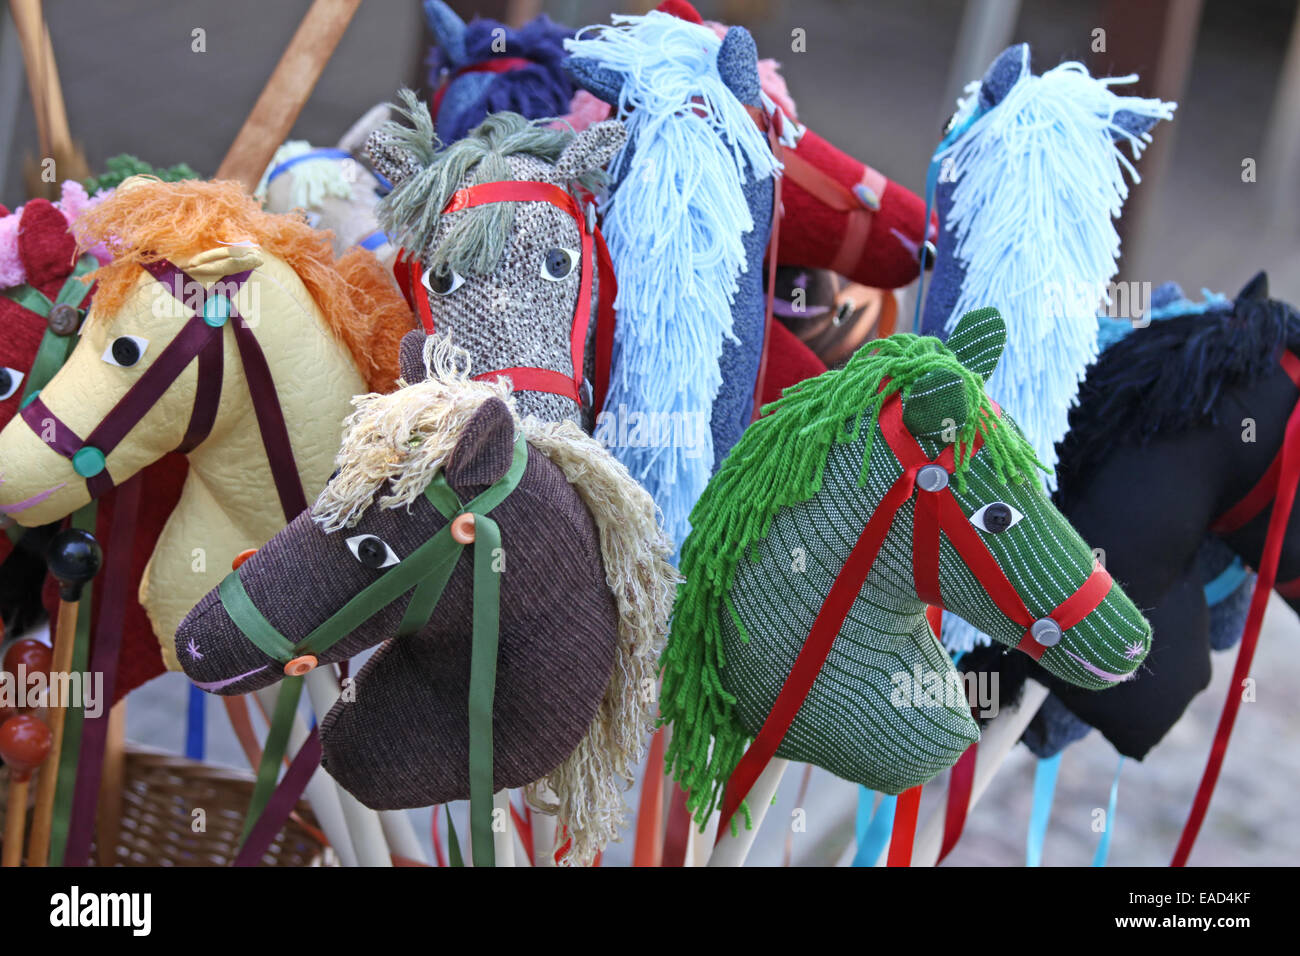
x=399 y=832
x=287 y=91
x=732 y=850
x=503 y=841
x=29 y=20
x=15 y=820
x=108 y=822
x=52 y=129
x=363 y=823
x=321 y=791
x=997 y=741
x=65 y=635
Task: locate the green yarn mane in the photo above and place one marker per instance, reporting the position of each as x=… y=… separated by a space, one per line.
x=412 y=211
x=778 y=463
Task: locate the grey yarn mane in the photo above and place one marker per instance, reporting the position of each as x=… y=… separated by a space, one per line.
x=411 y=212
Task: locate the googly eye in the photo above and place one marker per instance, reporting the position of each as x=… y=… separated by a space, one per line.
x=559 y=262
x=10 y=380
x=372 y=552
x=442 y=281
x=125 y=350
x=995 y=517
x=313 y=219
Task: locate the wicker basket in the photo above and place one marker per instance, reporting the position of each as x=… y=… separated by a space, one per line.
x=159 y=796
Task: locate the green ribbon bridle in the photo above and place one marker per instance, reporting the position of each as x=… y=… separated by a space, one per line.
x=55 y=347
x=427 y=569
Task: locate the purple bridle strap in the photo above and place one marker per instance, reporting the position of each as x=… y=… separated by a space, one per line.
x=41 y=420
x=196 y=339
x=261 y=387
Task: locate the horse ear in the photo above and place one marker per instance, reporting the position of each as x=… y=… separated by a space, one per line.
x=222 y=261
x=936 y=405
x=1003 y=73
x=354 y=140
x=390 y=158
x=591 y=149
x=978 y=341
x=738 y=65
x=484 y=451
x=448 y=28
x=46 y=248
x=1132 y=123
x=410 y=357
x=1256 y=288
x=601 y=82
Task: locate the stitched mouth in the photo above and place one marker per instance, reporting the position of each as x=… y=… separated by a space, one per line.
x=219 y=684
x=31 y=502
x=1097 y=671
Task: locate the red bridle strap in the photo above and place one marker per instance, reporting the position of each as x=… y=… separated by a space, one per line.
x=941 y=514
x=1265 y=490
x=1282 y=477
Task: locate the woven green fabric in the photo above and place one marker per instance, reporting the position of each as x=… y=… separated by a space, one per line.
x=772 y=532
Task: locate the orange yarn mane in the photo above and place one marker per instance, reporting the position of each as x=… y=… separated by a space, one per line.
x=358 y=300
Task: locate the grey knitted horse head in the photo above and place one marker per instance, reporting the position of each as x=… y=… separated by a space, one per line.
x=503 y=278
x=571 y=561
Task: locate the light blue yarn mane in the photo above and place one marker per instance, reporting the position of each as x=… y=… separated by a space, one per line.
x=1029 y=192
x=675 y=223
x=1038 y=181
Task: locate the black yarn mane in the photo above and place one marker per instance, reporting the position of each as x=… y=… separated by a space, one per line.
x=1169 y=377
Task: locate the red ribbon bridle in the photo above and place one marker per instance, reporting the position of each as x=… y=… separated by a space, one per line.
x=1278 y=488
x=936 y=512
x=595 y=258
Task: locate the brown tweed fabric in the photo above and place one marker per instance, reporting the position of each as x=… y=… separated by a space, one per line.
x=402 y=740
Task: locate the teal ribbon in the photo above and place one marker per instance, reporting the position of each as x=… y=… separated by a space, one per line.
x=1103 y=847
x=1044 y=793
x=874 y=827
x=427 y=569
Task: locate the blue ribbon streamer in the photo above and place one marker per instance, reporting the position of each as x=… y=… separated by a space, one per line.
x=1227 y=581
x=1044 y=793
x=1103 y=848
x=196 y=724
x=874 y=828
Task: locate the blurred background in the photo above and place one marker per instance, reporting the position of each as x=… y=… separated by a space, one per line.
x=879 y=79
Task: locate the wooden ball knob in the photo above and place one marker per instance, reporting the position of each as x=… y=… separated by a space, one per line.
x=74 y=557
x=25 y=742
x=35 y=655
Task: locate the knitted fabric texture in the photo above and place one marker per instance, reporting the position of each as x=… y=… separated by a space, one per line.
x=507 y=312
x=770 y=535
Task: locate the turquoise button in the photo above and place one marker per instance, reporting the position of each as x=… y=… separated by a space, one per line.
x=216 y=310
x=88 y=461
